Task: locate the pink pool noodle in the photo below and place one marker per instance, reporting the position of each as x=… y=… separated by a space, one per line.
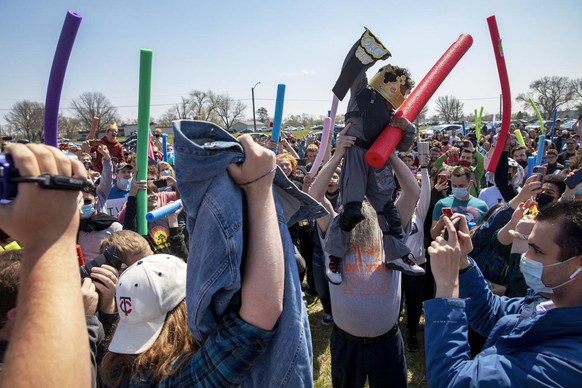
x=57 y=77
x=322 y=146
x=385 y=144
x=505 y=93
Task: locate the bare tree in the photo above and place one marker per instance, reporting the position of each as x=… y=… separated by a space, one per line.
x=91 y=104
x=204 y=105
x=26 y=118
x=229 y=110
x=549 y=93
x=68 y=126
x=450 y=108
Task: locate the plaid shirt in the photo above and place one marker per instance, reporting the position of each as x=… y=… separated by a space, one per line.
x=225 y=358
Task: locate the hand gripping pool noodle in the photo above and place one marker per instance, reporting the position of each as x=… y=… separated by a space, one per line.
x=541 y=145
x=57 y=77
x=540 y=119
x=385 y=144
x=278 y=118
x=519 y=137
x=505 y=93
x=163 y=211
x=165 y=147
x=94 y=126
x=143 y=130
x=322 y=146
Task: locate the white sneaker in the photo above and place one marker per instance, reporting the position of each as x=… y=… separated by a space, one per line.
x=405 y=265
x=333 y=271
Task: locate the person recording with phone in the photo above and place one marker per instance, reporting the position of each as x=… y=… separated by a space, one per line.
x=532 y=340
x=48 y=344
x=465 y=156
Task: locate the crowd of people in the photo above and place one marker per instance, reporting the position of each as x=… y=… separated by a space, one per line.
x=211 y=294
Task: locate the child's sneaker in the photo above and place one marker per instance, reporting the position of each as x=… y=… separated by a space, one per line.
x=406 y=265
x=333 y=271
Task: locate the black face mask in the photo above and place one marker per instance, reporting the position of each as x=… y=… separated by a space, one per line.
x=87 y=165
x=158 y=135
x=544 y=199
x=523 y=163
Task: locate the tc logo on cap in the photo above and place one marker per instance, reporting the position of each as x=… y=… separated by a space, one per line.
x=125 y=305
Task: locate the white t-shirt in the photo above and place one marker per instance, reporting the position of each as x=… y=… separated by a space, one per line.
x=491 y=196
x=367 y=302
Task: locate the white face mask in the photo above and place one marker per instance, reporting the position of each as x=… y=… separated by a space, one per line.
x=533 y=270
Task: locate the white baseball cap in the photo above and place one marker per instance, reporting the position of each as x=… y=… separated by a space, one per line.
x=146 y=292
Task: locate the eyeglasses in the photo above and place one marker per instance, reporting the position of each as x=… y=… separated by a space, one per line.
x=113 y=133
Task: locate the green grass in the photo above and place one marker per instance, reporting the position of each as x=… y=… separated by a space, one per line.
x=322 y=358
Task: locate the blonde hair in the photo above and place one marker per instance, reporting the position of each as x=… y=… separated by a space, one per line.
x=127 y=243
x=167 y=166
x=175 y=340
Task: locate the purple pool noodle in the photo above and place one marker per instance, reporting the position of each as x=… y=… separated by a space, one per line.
x=57 y=77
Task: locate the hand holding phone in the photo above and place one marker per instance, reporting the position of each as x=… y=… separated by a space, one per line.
x=448 y=211
x=541 y=171
x=574 y=180
x=94 y=143
x=456 y=223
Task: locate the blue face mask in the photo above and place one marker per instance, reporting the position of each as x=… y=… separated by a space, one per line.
x=579 y=192
x=124 y=182
x=533 y=270
x=87 y=211
x=165 y=173
x=460 y=192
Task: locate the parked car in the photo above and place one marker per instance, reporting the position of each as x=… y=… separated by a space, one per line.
x=536 y=124
x=444 y=128
x=568 y=124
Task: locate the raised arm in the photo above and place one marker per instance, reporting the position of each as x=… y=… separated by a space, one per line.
x=264 y=272
x=319 y=186
x=50 y=327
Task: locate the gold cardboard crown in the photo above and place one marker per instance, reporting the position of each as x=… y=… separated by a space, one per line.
x=391 y=91
x=370 y=48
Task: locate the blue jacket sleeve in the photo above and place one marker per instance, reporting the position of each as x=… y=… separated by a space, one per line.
x=448 y=363
x=484 y=308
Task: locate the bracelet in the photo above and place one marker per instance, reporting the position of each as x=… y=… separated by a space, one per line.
x=259 y=178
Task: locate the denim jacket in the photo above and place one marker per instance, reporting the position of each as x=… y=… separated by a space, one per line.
x=217 y=228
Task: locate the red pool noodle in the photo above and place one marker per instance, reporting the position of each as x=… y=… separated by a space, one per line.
x=385 y=144
x=505 y=93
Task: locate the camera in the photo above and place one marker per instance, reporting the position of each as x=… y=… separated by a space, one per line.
x=8 y=189
x=110 y=257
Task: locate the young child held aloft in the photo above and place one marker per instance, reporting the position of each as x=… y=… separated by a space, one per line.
x=370 y=109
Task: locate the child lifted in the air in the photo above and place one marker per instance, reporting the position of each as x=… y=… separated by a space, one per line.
x=370 y=109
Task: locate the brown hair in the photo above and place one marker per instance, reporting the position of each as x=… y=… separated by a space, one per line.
x=175 y=340
x=312 y=148
x=153 y=170
x=127 y=242
x=9 y=281
x=168 y=166
x=462 y=171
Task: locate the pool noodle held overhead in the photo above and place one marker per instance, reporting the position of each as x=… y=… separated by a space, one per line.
x=57 y=77
x=505 y=93
x=385 y=144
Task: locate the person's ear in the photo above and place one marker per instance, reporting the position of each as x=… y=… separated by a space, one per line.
x=11 y=314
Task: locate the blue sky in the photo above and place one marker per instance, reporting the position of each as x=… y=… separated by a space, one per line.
x=228 y=46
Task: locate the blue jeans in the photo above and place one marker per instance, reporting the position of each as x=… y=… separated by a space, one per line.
x=216 y=224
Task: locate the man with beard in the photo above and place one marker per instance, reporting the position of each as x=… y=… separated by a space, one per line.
x=519 y=154
x=365 y=340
